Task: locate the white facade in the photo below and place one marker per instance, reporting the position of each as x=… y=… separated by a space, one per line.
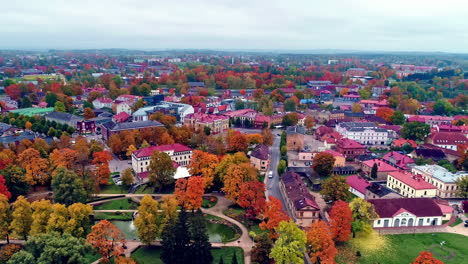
x=102 y=102
x=366 y=135
x=140 y=164
x=123 y=107
x=407 y=219
x=357 y=193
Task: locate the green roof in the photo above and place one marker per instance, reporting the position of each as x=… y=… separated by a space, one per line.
x=32 y=111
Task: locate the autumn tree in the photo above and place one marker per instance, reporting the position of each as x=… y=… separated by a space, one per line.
x=79 y=220
x=5 y=218
x=321 y=248
x=261 y=250
x=426 y=258
x=238 y=142
x=356 y=108
x=385 y=113
x=252 y=198
x=124 y=260
x=82 y=151
x=409 y=106
x=189 y=192
x=68 y=187
x=169 y=210
x=127 y=177
x=363 y=215
x=273 y=214
x=290 y=245
x=309 y=122
x=101 y=161
x=36 y=167
x=41 y=214
x=335 y=188
x=130 y=150
x=107 y=239
x=237 y=174
x=88 y=113
x=323 y=164
x=58 y=219
x=147 y=220
x=253 y=139
x=21 y=218
x=15 y=180
x=161 y=170
x=4 y=188
x=341 y=218
x=268 y=137
x=462 y=184
x=65 y=158
x=203 y=164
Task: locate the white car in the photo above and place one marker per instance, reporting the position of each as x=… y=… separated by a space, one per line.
x=270 y=174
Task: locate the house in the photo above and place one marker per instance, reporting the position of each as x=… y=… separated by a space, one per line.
x=178 y=153
x=410 y=185
x=121 y=117
x=339 y=158
x=398 y=160
x=110 y=128
x=119 y=107
x=298 y=199
x=399 y=143
x=367 y=133
x=349 y=148
x=102 y=103
x=86 y=127
x=295 y=138
x=430 y=120
x=178 y=110
x=448 y=140
x=379 y=191
x=406 y=212
x=440 y=177
x=383 y=168
x=63 y=118
x=198 y=121
x=357 y=185
x=260 y=157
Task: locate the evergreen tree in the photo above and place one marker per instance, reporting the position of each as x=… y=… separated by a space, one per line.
x=221 y=261
x=374 y=171
x=200 y=248
x=176 y=241
x=234 y=259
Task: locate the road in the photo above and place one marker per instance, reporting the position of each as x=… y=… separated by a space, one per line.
x=272 y=185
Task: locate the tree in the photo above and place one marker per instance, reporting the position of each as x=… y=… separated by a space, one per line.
x=426 y=258
x=374 y=171
x=443 y=107
x=356 y=108
x=261 y=250
x=323 y=164
x=127 y=177
x=21 y=218
x=290 y=105
x=82 y=151
x=415 y=131
x=273 y=214
x=101 y=161
x=65 y=158
x=290 y=245
x=41 y=214
x=146 y=222
x=385 y=113
x=252 y=198
x=15 y=180
x=335 y=188
x=58 y=219
x=161 y=170
x=4 y=188
x=321 y=248
x=340 y=221
x=234 y=259
x=175 y=241
x=203 y=164
x=236 y=175
x=309 y=122
x=462 y=184
x=79 y=222
x=281 y=167
x=107 y=239
x=88 y=113
x=36 y=167
x=7 y=251
x=200 y=246
x=124 y=260
x=398 y=118
x=5 y=218
x=189 y=192
x=59 y=107
x=268 y=137
x=22 y=257
x=238 y=142
x=169 y=210
x=363 y=215
x=68 y=187
x=130 y=150
x=290 y=119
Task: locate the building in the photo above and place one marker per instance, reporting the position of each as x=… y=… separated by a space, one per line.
x=63 y=118
x=340 y=160
x=448 y=140
x=398 y=160
x=102 y=103
x=295 y=138
x=406 y=212
x=178 y=110
x=399 y=143
x=441 y=178
x=299 y=201
x=410 y=185
x=86 y=127
x=179 y=154
x=110 y=128
x=383 y=168
x=349 y=148
x=122 y=107
x=379 y=191
x=260 y=157
x=357 y=185
x=198 y=121
x=367 y=133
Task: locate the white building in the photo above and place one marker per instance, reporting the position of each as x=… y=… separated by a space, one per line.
x=366 y=133
x=123 y=107
x=102 y=102
x=407 y=212
x=441 y=178
x=181 y=110
x=179 y=153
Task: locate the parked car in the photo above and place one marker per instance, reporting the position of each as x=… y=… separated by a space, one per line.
x=270 y=174
x=466 y=223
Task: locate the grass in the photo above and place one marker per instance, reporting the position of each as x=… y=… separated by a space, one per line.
x=406 y=247
x=152 y=255
x=113 y=216
x=457 y=222
x=145 y=189
x=111 y=188
x=209 y=201
x=121 y=204
x=238 y=214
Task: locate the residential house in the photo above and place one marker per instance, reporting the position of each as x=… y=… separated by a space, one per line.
x=398 y=160
x=260 y=157
x=448 y=140
x=406 y=212
x=410 y=185
x=349 y=148
x=367 y=133
x=295 y=137
x=357 y=185
x=178 y=153
x=440 y=177
x=198 y=121
x=383 y=168
x=102 y=102
x=431 y=120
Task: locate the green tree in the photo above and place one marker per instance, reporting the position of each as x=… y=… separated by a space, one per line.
x=15 y=181
x=415 y=131
x=175 y=241
x=200 y=248
x=398 y=118
x=407 y=148
x=374 y=171
x=443 y=107
x=335 y=188
x=127 y=177
x=281 y=167
x=59 y=107
x=161 y=170
x=22 y=257
x=363 y=215
x=207 y=130
x=290 y=246
x=22 y=218
x=68 y=187
x=148 y=228
x=462 y=184
x=51 y=99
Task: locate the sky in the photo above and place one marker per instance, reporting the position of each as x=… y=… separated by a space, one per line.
x=365 y=25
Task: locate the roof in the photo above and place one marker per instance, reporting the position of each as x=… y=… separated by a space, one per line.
x=205 y=118
x=334 y=153
x=398 y=159
x=261 y=151
x=420 y=207
x=414 y=181
x=63 y=116
x=382 y=166
x=440 y=173
x=349 y=143
x=297 y=191
x=148 y=151
x=378 y=189
x=434 y=154
x=448 y=138
x=401 y=142
x=132 y=125
x=121 y=117
x=357 y=183
x=295 y=130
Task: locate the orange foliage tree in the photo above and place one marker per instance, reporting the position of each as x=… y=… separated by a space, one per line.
x=189 y=192
x=107 y=239
x=237 y=174
x=36 y=167
x=252 y=198
x=254 y=139
x=340 y=221
x=426 y=258
x=321 y=246
x=63 y=158
x=385 y=113
x=238 y=142
x=203 y=164
x=101 y=161
x=273 y=214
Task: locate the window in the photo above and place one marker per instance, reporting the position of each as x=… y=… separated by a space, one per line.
x=378 y=222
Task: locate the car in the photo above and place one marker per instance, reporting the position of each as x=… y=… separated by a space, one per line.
x=270 y=174
x=278 y=135
x=118 y=183
x=466 y=223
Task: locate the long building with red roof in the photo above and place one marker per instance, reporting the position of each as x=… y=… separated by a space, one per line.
x=179 y=153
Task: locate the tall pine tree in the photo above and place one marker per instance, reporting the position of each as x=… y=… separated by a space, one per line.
x=176 y=241
x=200 y=248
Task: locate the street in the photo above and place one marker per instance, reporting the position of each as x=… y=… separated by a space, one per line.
x=272 y=185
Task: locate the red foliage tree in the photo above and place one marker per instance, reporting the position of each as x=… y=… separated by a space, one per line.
x=321 y=246
x=273 y=214
x=14 y=91
x=252 y=198
x=101 y=161
x=340 y=221
x=189 y=192
x=4 y=188
x=426 y=258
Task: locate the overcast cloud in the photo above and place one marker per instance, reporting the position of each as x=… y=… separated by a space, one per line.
x=390 y=25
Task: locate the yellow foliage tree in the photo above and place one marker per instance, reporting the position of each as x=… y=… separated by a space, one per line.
x=22 y=217
x=41 y=214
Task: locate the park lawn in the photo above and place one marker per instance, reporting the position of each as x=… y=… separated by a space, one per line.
x=145 y=189
x=152 y=255
x=406 y=247
x=111 y=188
x=113 y=216
x=457 y=222
x=121 y=204
x=209 y=201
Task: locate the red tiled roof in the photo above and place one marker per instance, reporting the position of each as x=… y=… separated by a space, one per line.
x=357 y=183
x=382 y=166
x=421 y=207
x=148 y=151
x=334 y=153
x=348 y=143
x=121 y=117
x=205 y=118
x=448 y=138
x=415 y=181
x=400 y=142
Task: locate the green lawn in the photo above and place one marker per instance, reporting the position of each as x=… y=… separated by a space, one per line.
x=457 y=222
x=145 y=189
x=122 y=204
x=152 y=255
x=405 y=248
x=111 y=188
x=113 y=216
x=209 y=201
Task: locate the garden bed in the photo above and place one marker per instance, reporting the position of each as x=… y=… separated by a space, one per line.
x=209 y=201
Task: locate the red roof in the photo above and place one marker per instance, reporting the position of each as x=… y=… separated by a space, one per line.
x=348 y=143
x=414 y=181
x=401 y=142
x=205 y=118
x=357 y=183
x=334 y=153
x=148 y=151
x=448 y=138
x=121 y=117
x=382 y=166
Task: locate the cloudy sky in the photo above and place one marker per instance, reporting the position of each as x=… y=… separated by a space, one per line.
x=371 y=25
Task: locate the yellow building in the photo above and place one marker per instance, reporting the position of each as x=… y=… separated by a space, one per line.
x=409 y=185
